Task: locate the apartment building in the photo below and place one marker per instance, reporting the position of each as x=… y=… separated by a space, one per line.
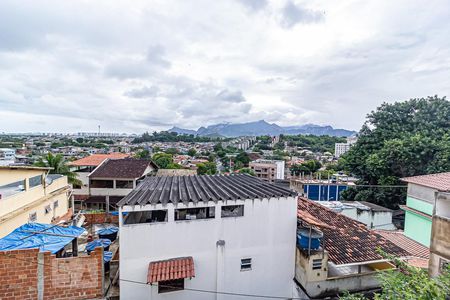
x=232 y=233
x=7 y=156
x=341 y=148
x=268 y=170
x=420 y=204
x=30 y=194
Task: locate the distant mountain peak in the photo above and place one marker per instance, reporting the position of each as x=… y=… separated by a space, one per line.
x=262 y=127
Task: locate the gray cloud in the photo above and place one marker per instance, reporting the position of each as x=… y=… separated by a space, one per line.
x=254 y=4
x=294 y=14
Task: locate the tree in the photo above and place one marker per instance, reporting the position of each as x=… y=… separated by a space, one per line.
x=59 y=166
x=207 y=168
x=162 y=160
x=247 y=171
x=192 y=152
x=407 y=282
x=143 y=154
x=309 y=166
x=399 y=140
x=172 y=151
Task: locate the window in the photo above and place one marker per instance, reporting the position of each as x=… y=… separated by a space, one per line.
x=47 y=209
x=102 y=184
x=443 y=264
x=194 y=213
x=232 y=211
x=170 y=286
x=35 y=181
x=317 y=264
x=124 y=184
x=148 y=216
x=12 y=188
x=246 y=264
x=55 y=204
x=32 y=217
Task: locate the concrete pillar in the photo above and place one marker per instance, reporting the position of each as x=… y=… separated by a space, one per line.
x=40 y=276
x=107 y=201
x=220 y=268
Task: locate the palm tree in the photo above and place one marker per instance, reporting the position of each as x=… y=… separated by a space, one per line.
x=59 y=166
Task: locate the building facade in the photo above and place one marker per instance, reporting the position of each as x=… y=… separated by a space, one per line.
x=232 y=234
x=440 y=235
x=420 y=204
x=29 y=194
x=268 y=170
x=7 y=156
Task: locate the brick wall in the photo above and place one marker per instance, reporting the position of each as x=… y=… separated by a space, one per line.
x=28 y=274
x=100 y=218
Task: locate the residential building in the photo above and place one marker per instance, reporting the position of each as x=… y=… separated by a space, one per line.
x=84 y=166
x=440 y=232
x=341 y=148
x=336 y=253
x=7 y=156
x=216 y=233
x=374 y=216
x=30 y=194
x=320 y=190
x=268 y=170
x=420 y=204
x=113 y=179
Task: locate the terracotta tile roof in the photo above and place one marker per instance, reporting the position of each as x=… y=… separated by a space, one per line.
x=439 y=181
x=171 y=269
x=310 y=219
x=346 y=240
x=96 y=159
x=127 y=168
x=411 y=246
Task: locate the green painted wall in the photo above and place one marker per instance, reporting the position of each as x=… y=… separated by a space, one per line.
x=418 y=228
x=419 y=205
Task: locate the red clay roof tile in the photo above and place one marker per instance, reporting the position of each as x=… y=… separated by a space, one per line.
x=438 y=181
x=171 y=269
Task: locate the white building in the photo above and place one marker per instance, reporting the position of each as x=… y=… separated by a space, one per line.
x=341 y=148
x=231 y=234
x=7 y=156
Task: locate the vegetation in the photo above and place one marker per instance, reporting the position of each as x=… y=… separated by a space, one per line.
x=398 y=140
x=165 y=161
x=408 y=282
x=308 y=167
x=207 y=168
x=247 y=171
x=314 y=143
x=192 y=152
x=59 y=166
x=143 y=154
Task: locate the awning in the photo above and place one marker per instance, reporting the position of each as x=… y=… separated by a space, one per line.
x=415 y=211
x=171 y=269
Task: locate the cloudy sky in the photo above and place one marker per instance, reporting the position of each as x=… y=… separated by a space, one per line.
x=132 y=66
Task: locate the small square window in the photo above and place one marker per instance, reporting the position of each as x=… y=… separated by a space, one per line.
x=32 y=217
x=246 y=264
x=170 y=286
x=317 y=264
x=47 y=209
x=55 y=204
x=232 y=211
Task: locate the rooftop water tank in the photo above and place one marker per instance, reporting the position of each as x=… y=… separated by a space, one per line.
x=304 y=235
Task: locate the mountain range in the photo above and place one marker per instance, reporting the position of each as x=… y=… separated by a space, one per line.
x=262 y=128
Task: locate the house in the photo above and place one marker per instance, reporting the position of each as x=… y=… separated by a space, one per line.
x=268 y=170
x=373 y=215
x=336 y=253
x=420 y=204
x=7 y=156
x=233 y=234
x=440 y=232
x=30 y=194
x=113 y=179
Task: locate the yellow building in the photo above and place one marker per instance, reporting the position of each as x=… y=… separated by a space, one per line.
x=30 y=194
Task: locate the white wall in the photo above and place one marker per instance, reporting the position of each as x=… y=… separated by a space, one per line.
x=266 y=233
x=379 y=220
x=280 y=169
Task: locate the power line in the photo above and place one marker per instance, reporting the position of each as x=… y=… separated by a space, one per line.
x=220 y=293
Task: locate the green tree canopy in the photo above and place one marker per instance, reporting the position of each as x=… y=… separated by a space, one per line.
x=192 y=152
x=398 y=140
x=207 y=168
x=59 y=166
x=162 y=160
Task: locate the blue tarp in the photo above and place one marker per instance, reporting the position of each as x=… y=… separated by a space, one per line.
x=98 y=243
x=116 y=213
x=25 y=238
x=109 y=230
x=107 y=256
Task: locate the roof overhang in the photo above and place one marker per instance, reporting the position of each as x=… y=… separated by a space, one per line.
x=170 y=269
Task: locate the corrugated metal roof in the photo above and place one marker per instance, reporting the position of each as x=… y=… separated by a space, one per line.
x=164 y=189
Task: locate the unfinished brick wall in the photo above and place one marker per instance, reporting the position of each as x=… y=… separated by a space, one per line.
x=18 y=274
x=100 y=218
x=28 y=274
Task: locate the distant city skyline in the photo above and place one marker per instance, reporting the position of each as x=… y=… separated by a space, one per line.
x=145 y=66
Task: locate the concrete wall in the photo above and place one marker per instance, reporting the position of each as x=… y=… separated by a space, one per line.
x=16 y=209
x=421 y=193
x=440 y=238
x=28 y=274
x=418 y=228
x=371 y=218
x=266 y=234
